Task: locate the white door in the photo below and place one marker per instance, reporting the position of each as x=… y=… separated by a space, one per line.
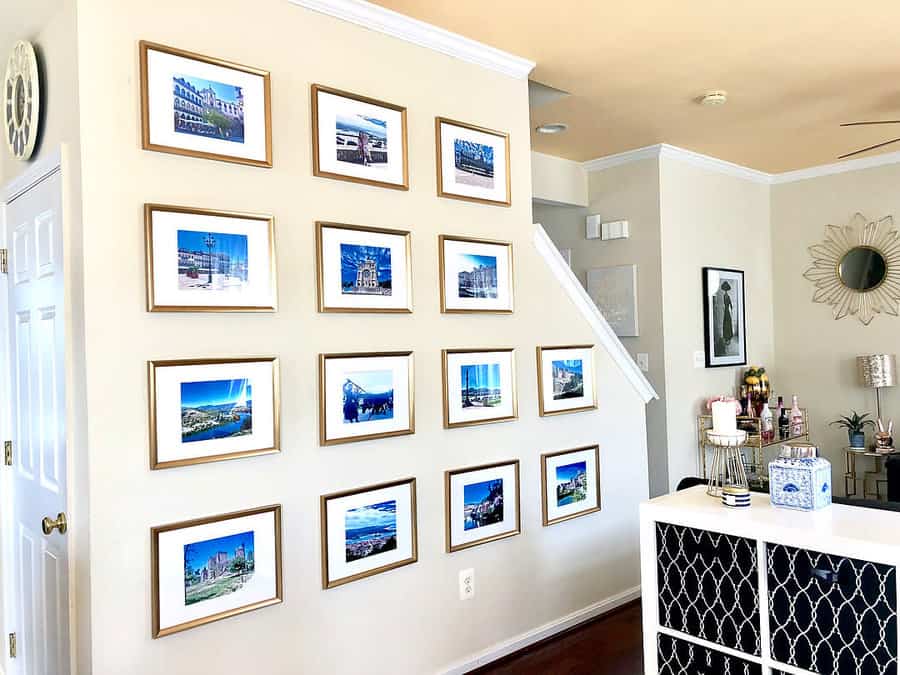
x=36 y=579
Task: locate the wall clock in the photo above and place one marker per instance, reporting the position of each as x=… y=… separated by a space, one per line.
x=21 y=100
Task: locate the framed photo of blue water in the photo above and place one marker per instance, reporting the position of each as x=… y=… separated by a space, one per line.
x=200 y=260
x=204 y=107
x=367 y=531
x=472 y=163
x=363 y=269
x=566 y=379
x=364 y=396
x=212 y=568
x=207 y=410
x=479 y=386
x=476 y=275
x=482 y=504
x=570 y=483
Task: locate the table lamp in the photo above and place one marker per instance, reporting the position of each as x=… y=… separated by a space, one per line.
x=877 y=370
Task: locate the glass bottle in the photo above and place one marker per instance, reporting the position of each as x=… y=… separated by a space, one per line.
x=784 y=421
x=796 y=418
x=766 y=424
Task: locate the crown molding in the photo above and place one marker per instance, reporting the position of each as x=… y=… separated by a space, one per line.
x=609 y=161
x=389 y=22
x=837 y=167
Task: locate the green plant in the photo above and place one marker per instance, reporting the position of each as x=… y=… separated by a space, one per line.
x=854 y=423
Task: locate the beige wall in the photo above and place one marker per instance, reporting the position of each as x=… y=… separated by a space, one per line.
x=708 y=219
x=816 y=354
x=558 y=180
x=409 y=620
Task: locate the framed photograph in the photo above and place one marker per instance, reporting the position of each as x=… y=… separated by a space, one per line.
x=208 y=410
x=367 y=531
x=724 y=317
x=472 y=163
x=365 y=396
x=476 y=275
x=212 y=568
x=479 y=386
x=359 y=139
x=482 y=504
x=614 y=291
x=363 y=269
x=204 y=107
x=570 y=483
x=199 y=260
x=566 y=379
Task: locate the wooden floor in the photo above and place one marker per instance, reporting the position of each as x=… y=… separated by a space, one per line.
x=608 y=645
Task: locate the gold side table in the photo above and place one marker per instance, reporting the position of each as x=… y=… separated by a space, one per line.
x=878 y=477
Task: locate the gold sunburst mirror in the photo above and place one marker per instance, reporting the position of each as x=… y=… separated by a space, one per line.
x=856 y=269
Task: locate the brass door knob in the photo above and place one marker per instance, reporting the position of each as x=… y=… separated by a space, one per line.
x=48 y=525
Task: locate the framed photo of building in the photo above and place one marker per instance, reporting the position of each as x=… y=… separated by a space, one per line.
x=205 y=107
x=479 y=386
x=481 y=504
x=363 y=269
x=364 y=396
x=566 y=379
x=209 y=410
x=476 y=275
x=213 y=568
x=570 y=483
x=472 y=163
x=199 y=260
x=359 y=139
x=367 y=531
x=724 y=317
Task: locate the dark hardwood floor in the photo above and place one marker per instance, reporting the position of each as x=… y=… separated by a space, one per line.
x=607 y=645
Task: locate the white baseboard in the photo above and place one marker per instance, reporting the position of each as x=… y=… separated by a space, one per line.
x=523 y=640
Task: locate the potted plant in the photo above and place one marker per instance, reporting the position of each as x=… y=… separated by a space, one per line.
x=855 y=425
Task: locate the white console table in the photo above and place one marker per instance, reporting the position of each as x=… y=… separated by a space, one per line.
x=766 y=591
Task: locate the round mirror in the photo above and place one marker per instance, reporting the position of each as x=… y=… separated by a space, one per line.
x=862 y=268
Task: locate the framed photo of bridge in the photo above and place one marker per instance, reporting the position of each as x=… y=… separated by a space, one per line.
x=476 y=275
x=472 y=163
x=363 y=269
x=364 y=396
x=566 y=379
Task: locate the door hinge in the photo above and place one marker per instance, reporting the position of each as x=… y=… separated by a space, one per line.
x=7 y=453
x=4 y=258
x=12 y=645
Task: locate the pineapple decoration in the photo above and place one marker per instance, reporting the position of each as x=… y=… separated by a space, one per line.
x=757 y=383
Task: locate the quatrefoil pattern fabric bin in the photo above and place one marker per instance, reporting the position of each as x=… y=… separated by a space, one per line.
x=680 y=657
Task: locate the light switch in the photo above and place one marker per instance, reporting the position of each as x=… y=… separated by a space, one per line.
x=699 y=359
x=643 y=361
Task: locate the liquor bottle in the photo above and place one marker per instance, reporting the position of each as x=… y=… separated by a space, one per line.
x=784 y=421
x=796 y=418
x=766 y=424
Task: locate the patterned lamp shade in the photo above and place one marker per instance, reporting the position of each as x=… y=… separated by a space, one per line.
x=877 y=370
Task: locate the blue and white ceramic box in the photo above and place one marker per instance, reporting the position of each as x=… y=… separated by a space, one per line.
x=802 y=483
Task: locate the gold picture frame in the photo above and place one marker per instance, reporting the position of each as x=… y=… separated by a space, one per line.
x=321 y=173
x=546 y=520
x=539 y=351
x=320 y=287
x=155 y=531
x=438 y=121
x=152 y=367
x=448 y=476
x=150 y=209
x=323 y=398
x=445 y=353
x=146 y=144
x=327 y=582
x=442 y=239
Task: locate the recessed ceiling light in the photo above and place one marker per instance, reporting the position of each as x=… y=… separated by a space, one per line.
x=714 y=98
x=552 y=128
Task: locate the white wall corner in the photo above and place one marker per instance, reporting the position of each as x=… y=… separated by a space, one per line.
x=605 y=334
x=558 y=181
x=389 y=22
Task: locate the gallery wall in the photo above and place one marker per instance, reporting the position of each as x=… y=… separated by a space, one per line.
x=409 y=620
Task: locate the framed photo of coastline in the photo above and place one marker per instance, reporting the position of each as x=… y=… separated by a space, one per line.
x=476 y=275
x=481 y=504
x=472 y=163
x=208 y=410
x=570 y=483
x=479 y=386
x=363 y=269
x=724 y=317
x=213 y=568
x=359 y=139
x=200 y=260
x=566 y=379
x=364 y=396
x=204 y=107
x=368 y=531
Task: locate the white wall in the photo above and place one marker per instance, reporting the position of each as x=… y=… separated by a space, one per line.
x=558 y=181
x=409 y=620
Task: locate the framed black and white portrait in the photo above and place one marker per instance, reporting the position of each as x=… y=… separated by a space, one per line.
x=724 y=317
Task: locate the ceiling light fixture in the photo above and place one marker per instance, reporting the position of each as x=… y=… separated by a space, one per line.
x=718 y=97
x=552 y=128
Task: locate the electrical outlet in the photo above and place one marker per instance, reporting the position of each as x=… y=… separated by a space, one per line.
x=699 y=359
x=467 y=584
x=643 y=361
